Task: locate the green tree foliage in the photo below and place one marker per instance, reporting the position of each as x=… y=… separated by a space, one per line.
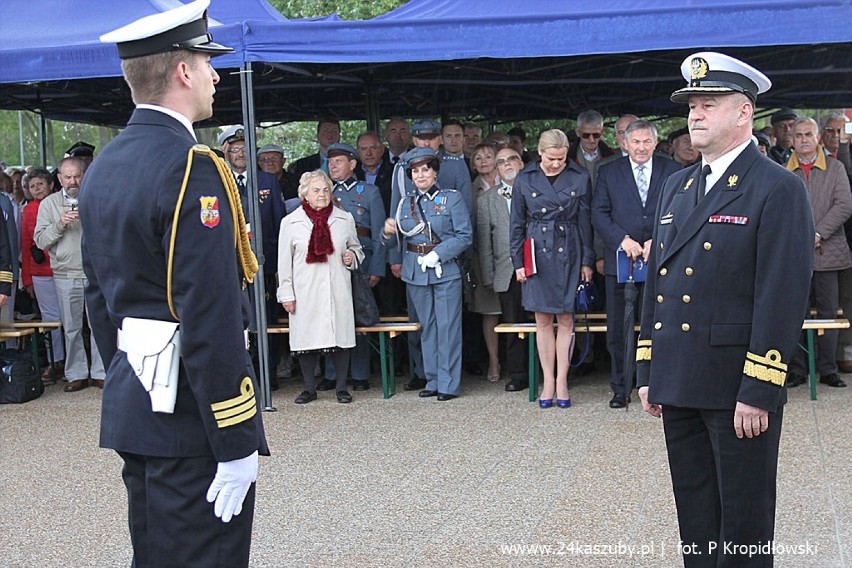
x=353 y=10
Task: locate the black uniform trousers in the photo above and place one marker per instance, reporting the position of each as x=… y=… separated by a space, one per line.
x=724 y=487
x=615 y=305
x=512 y=311
x=171 y=522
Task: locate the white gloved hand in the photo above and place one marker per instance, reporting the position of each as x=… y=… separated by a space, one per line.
x=438 y=270
x=232 y=482
x=422 y=264
x=432 y=259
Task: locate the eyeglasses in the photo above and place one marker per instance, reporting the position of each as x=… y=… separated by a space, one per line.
x=504 y=161
x=239 y=150
x=834 y=131
x=587 y=135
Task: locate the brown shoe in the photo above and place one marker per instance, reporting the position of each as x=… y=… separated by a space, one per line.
x=74 y=386
x=98 y=383
x=844 y=366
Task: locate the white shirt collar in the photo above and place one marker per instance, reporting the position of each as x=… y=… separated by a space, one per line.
x=721 y=164
x=174 y=114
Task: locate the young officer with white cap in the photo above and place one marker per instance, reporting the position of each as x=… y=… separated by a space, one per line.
x=159 y=252
x=731 y=262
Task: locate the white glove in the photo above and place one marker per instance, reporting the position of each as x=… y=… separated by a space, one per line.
x=232 y=482
x=420 y=261
x=438 y=270
x=432 y=259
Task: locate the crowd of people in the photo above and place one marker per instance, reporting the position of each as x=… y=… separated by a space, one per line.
x=577 y=200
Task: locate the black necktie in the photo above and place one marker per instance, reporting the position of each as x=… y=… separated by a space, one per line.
x=395 y=159
x=702 y=181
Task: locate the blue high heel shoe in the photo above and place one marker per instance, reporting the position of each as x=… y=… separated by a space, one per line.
x=563 y=403
x=546 y=403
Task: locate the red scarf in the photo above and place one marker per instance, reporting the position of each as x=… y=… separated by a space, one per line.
x=319 y=245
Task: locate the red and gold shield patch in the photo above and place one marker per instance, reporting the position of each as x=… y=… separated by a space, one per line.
x=209 y=211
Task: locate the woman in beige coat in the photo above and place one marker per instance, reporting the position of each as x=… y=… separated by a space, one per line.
x=318 y=247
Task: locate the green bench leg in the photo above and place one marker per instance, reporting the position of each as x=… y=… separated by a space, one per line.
x=34 y=348
x=386 y=357
x=811 y=363
x=533 y=372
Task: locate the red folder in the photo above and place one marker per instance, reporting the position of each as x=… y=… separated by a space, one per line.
x=529 y=257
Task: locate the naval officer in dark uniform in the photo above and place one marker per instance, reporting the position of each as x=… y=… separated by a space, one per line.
x=167 y=256
x=731 y=259
x=434 y=229
x=364 y=202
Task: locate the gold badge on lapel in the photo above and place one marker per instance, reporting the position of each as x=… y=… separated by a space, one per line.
x=732 y=180
x=688 y=183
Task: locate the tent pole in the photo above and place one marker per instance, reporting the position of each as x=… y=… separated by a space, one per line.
x=372 y=111
x=258 y=289
x=42 y=132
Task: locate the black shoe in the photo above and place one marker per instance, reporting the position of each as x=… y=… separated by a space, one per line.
x=473 y=369
x=794 y=380
x=306 y=397
x=360 y=385
x=344 y=397
x=833 y=380
x=415 y=385
x=444 y=397
x=618 y=401
x=326 y=385
x=427 y=393
x=516 y=385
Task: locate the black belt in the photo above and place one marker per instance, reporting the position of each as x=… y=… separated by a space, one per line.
x=364 y=232
x=420 y=249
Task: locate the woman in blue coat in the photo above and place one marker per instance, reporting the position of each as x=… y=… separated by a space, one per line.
x=434 y=227
x=550 y=205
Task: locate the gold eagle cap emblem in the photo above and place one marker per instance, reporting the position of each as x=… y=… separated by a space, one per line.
x=732 y=180
x=688 y=183
x=699 y=68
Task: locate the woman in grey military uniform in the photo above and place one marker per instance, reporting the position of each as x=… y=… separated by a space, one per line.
x=434 y=227
x=550 y=205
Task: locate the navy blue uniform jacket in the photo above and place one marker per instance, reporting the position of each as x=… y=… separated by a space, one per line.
x=127 y=203
x=731 y=275
x=617 y=209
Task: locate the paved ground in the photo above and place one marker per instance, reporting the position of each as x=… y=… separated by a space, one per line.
x=486 y=480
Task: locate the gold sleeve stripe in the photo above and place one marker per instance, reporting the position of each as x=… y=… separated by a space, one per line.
x=246 y=393
x=5 y=276
x=238 y=409
x=239 y=418
x=643 y=350
x=643 y=354
x=767 y=368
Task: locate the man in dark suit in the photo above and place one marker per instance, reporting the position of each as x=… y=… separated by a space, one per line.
x=729 y=273
x=159 y=249
x=375 y=166
x=623 y=209
x=271 y=207
x=328 y=133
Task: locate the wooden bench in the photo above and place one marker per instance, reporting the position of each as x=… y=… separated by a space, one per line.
x=386 y=330
x=819 y=326
x=596 y=323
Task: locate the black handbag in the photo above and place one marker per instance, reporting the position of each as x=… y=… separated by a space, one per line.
x=469 y=283
x=363 y=301
x=19 y=383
